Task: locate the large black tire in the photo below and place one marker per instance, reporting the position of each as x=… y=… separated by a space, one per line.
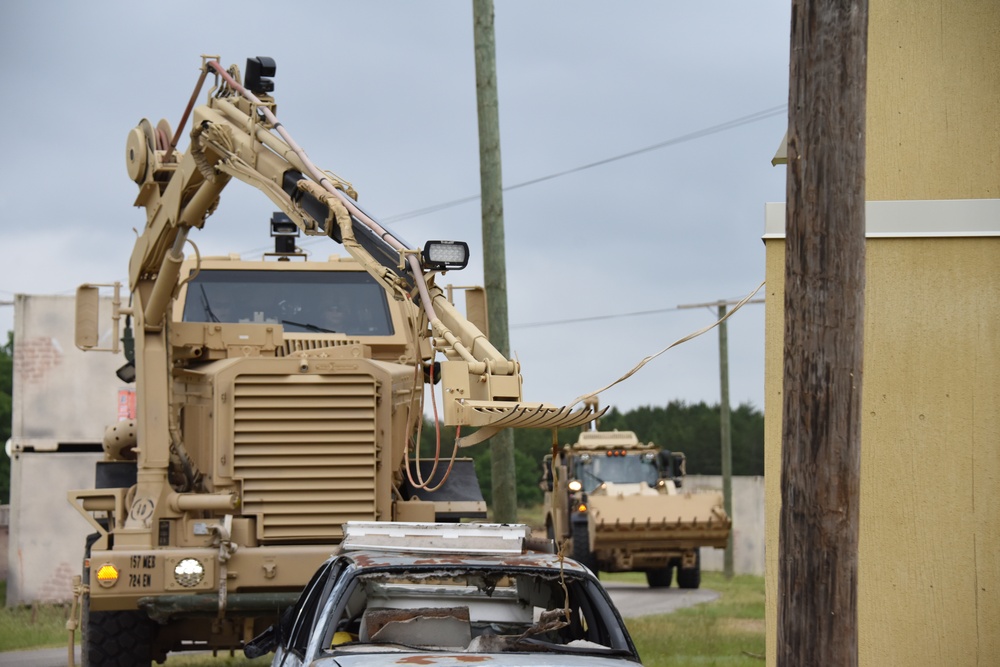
x=690 y=577
x=660 y=578
x=581 y=547
x=116 y=638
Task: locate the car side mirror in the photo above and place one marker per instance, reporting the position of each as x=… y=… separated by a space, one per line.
x=262 y=644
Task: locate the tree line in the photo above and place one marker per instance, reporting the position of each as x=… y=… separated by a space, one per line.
x=693 y=429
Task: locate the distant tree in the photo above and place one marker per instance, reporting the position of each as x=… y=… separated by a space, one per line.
x=6 y=391
x=695 y=430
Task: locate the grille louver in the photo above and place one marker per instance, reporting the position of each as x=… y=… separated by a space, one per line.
x=304 y=448
x=293 y=344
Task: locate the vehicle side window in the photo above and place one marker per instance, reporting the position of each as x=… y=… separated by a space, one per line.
x=601 y=621
x=305 y=610
x=343 y=618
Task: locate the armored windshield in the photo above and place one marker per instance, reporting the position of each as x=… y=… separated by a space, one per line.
x=343 y=302
x=594 y=469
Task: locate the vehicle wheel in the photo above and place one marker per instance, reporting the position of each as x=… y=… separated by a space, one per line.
x=116 y=638
x=660 y=578
x=690 y=577
x=581 y=547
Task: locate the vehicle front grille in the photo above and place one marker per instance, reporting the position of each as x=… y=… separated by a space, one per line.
x=293 y=343
x=304 y=448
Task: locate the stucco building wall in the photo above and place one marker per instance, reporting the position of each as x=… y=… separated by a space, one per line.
x=929 y=562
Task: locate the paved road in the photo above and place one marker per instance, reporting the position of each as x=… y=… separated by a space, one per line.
x=631 y=599
x=44 y=657
x=639 y=600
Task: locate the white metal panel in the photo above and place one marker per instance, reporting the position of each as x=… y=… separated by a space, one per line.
x=46 y=534
x=61 y=394
x=459 y=538
x=911 y=218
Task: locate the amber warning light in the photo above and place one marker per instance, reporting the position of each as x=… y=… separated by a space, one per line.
x=107 y=575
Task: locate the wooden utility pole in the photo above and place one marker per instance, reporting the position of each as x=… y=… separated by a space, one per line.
x=494 y=261
x=824 y=315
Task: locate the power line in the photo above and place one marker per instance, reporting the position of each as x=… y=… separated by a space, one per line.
x=714 y=129
x=622 y=315
x=591 y=319
x=691 y=136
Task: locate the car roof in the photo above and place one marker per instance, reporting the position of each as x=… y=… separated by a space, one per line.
x=432 y=545
x=372 y=558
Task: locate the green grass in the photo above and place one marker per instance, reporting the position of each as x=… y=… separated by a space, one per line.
x=37 y=626
x=728 y=632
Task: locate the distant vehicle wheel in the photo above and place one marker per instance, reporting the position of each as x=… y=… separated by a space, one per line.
x=581 y=547
x=660 y=578
x=116 y=638
x=690 y=577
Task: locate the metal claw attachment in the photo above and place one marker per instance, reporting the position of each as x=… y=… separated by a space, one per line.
x=494 y=416
x=524 y=415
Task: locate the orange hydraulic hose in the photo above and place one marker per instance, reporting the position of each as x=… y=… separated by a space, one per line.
x=184 y=117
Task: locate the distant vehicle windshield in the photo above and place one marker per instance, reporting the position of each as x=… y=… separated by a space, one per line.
x=344 y=302
x=594 y=470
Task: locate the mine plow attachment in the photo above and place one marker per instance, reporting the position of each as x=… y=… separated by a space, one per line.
x=658 y=521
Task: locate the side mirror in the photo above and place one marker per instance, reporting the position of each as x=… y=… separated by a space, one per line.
x=262 y=644
x=270 y=640
x=88 y=301
x=87 y=331
x=546 y=483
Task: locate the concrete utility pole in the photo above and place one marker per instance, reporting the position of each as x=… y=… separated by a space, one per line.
x=823 y=343
x=726 y=436
x=725 y=423
x=494 y=261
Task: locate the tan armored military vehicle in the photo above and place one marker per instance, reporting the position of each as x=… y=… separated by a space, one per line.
x=622 y=506
x=275 y=399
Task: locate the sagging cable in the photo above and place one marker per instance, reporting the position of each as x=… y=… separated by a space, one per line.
x=685 y=339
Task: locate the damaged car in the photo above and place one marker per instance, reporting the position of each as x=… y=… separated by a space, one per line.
x=406 y=593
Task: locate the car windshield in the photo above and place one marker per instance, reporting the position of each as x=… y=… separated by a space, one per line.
x=592 y=471
x=344 y=302
x=473 y=611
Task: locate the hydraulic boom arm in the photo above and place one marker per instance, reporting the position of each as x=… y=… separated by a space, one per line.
x=235 y=134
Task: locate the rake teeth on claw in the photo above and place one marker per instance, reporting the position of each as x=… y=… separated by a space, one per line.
x=521 y=415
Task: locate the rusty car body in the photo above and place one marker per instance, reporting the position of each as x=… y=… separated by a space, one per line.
x=451 y=594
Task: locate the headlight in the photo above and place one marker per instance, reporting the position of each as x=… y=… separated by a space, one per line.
x=575 y=485
x=441 y=255
x=189 y=572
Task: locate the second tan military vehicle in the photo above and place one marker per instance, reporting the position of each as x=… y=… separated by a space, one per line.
x=620 y=506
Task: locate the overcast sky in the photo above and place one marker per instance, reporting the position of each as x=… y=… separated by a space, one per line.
x=383 y=93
